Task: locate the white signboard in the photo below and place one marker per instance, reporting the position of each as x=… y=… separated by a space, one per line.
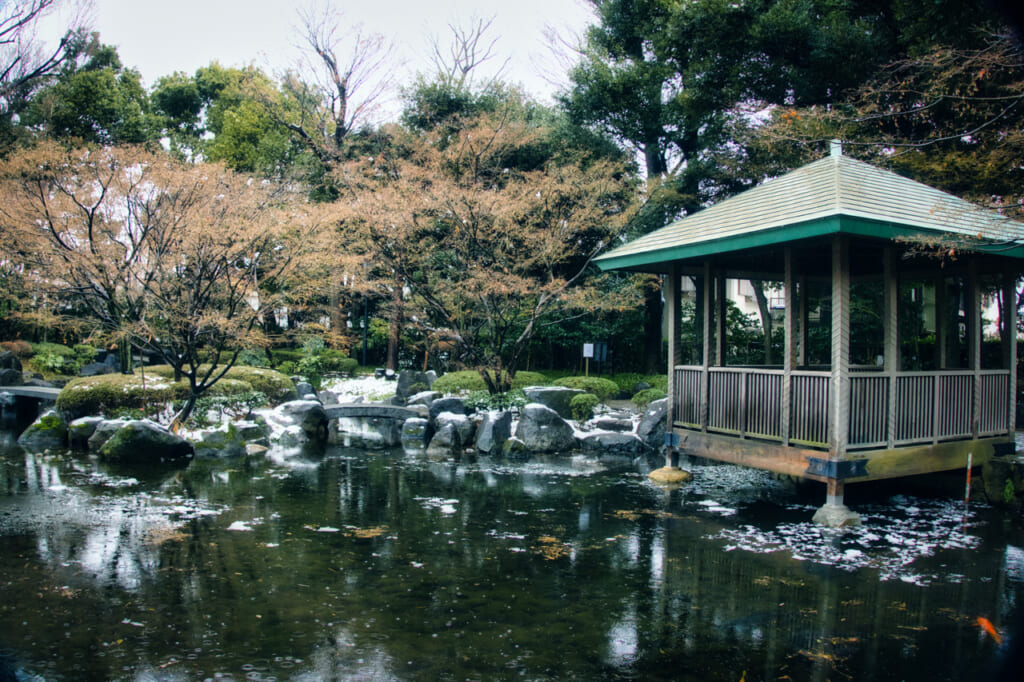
x=588 y=350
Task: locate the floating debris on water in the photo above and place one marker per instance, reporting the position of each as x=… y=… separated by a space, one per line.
x=891 y=538
x=441 y=504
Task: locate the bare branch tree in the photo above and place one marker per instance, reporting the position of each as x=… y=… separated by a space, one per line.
x=337 y=86
x=25 y=59
x=457 y=63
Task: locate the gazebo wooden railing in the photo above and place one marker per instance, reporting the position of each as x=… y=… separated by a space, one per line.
x=930 y=407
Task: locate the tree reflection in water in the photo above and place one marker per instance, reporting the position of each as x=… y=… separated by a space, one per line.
x=392 y=566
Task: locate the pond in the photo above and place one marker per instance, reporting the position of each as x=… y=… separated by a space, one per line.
x=387 y=566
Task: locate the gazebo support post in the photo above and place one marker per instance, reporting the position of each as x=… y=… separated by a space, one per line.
x=835 y=513
x=671 y=474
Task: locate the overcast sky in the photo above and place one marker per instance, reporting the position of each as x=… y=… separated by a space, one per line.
x=160 y=38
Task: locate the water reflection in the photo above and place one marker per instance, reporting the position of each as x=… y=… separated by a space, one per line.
x=388 y=566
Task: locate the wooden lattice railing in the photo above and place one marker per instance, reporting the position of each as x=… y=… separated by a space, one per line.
x=928 y=406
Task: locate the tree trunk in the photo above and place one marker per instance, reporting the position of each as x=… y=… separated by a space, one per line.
x=766 y=318
x=184 y=413
x=652 y=326
x=395 y=328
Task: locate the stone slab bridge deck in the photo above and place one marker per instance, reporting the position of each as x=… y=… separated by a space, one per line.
x=36 y=392
x=369 y=410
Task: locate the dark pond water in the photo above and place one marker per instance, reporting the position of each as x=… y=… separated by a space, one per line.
x=389 y=566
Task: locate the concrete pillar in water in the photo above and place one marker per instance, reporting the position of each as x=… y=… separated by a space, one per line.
x=834 y=513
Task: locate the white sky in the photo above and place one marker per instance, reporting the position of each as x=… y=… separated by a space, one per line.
x=160 y=38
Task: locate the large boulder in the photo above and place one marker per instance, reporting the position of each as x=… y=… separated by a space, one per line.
x=49 y=432
x=367 y=432
x=611 y=423
x=610 y=443
x=11 y=377
x=424 y=398
x=95 y=369
x=230 y=439
x=415 y=432
x=9 y=360
x=651 y=429
x=494 y=430
x=411 y=382
x=305 y=391
x=446 y=440
x=103 y=431
x=144 y=442
x=557 y=398
x=541 y=429
x=464 y=428
x=452 y=405
x=81 y=430
x=308 y=415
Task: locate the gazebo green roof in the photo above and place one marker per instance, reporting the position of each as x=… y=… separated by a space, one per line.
x=836 y=194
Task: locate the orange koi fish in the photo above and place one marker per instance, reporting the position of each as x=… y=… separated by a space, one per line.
x=986 y=625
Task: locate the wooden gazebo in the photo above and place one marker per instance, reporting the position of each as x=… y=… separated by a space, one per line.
x=884 y=366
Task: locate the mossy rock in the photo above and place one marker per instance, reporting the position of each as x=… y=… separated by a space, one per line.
x=145 y=443
x=49 y=432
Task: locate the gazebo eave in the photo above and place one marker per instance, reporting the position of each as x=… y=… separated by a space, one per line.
x=658 y=260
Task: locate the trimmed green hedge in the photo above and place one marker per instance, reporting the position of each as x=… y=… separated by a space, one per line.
x=112 y=393
x=647 y=396
x=108 y=393
x=583 y=405
x=469 y=380
x=627 y=380
x=604 y=389
x=276 y=386
x=336 y=361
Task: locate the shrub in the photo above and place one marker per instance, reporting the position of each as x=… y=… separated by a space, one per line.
x=238 y=405
x=120 y=394
x=281 y=355
x=583 y=405
x=52 y=349
x=469 y=380
x=51 y=358
x=108 y=394
x=312 y=368
x=602 y=388
x=482 y=400
x=647 y=396
x=84 y=354
x=275 y=385
x=524 y=379
x=336 y=361
x=253 y=357
x=628 y=380
x=23 y=349
x=464 y=381
x=48 y=364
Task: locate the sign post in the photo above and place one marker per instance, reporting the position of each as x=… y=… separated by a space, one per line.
x=588 y=352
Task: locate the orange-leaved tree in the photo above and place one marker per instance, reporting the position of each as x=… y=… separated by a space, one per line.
x=181 y=260
x=491 y=234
